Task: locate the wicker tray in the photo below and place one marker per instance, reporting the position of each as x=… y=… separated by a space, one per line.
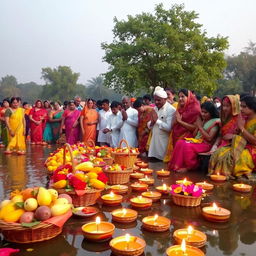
x=118 y=177
x=187 y=201
x=108 y=160
x=125 y=159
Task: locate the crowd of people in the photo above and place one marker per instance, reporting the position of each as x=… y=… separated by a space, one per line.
x=162 y=128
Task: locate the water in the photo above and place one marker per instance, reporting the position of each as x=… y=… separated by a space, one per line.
x=237 y=237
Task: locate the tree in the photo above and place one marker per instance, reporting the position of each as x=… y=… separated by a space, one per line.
x=8 y=87
x=96 y=90
x=243 y=68
x=61 y=83
x=167 y=48
x=30 y=91
x=228 y=86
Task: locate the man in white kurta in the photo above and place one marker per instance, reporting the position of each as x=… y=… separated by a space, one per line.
x=104 y=114
x=114 y=124
x=130 y=123
x=161 y=124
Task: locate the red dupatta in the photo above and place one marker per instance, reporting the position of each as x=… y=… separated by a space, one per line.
x=189 y=114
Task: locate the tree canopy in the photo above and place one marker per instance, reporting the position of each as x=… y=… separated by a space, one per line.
x=61 y=83
x=167 y=48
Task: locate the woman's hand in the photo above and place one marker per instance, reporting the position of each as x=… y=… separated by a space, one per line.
x=240 y=122
x=12 y=133
x=228 y=136
x=199 y=123
x=178 y=117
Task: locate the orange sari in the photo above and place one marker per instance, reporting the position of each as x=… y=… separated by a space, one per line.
x=90 y=116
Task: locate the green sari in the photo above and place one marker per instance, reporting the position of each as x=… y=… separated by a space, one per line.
x=56 y=126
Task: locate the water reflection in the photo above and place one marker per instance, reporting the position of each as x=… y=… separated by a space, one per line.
x=236 y=237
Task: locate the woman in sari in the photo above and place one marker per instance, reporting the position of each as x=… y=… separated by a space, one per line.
x=16 y=125
x=144 y=116
x=188 y=111
x=55 y=121
x=47 y=135
x=230 y=109
x=185 y=152
x=70 y=119
x=88 y=121
x=37 y=117
x=4 y=131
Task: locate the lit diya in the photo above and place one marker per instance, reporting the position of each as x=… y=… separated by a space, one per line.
x=156 y=223
x=98 y=231
x=146 y=171
x=141 y=164
x=184 y=250
x=127 y=245
x=218 y=177
x=163 y=189
x=137 y=175
x=193 y=237
x=205 y=185
x=124 y=215
x=141 y=202
x=184 y=182
x=163 y=173
x=139 y=186
x=119 y=189
x=215 y=213
x=245 y=188
x=147 y=180
x=112 y=199
x=153 y=195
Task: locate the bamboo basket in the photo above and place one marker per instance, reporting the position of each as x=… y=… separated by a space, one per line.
x=14 y=232
x=108 y=160
x=91 y=195
x=125 y=159
x=187 y=201
x=118 y=177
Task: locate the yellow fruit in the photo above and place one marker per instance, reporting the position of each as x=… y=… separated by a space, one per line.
x=30 y=204
x=53 y=163
x=13 y=216
x=44 y=197
x=92 y=175
x=5 y=210
x=60 y=209
x=4 y=203
x=50 y=168
x=17 y=198
x=97 y=184
x=80 y=176
x=86 y=166
x=54 y=193
x=61 y=201
x=60 y=184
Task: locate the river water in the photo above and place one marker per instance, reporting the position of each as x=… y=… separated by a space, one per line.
x=236 y=237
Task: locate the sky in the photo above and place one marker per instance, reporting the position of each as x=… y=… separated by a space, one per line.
x=48 y=33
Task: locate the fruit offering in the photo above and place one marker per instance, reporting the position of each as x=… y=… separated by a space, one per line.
x=126 y=150
x=33 y=205
x=114 y=167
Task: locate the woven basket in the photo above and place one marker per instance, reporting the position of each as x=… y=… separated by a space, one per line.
x=118 y=177
x=188 y=201
x=14 y=232
x=91 y=195
x=108 y=160
x=125 y=159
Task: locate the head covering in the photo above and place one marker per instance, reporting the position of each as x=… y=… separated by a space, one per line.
x=160 y=92
x=204 y=99
x=133 y=99
x=234 y=100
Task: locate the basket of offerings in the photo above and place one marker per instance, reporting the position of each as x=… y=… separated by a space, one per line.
x=125 y=156
x=186 y=195
x=83 y=182
x=105 y=154
x=34 y=215
x=117 y=174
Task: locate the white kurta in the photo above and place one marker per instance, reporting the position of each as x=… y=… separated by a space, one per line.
x=114 y=123
x=161 y=131
x=129 y=128
x=102 y=124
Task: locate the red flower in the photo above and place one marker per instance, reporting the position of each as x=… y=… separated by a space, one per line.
x=102 y=177
x=56 y=177
x=65 y=166
x=77 y=183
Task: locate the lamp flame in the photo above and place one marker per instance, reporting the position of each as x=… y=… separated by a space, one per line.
x=164 y=187
x=98 y=220
x=190 y=230
x=127 y=238
x=183 y=246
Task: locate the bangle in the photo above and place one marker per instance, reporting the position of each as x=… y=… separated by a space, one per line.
x=242 y=131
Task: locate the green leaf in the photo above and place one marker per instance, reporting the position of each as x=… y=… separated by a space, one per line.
x=19 y=205
x=30 y=225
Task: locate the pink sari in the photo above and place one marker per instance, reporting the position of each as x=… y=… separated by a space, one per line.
x=185 y=153
x=37 y=130
x=72 y=134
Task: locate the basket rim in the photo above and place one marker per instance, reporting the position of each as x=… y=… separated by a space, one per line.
x=191 y=197
x=127 y=170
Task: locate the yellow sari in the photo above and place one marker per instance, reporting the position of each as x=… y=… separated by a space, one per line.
x=236 y=159
x=16 y=142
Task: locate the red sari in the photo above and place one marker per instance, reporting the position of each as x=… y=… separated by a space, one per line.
x=189 y=114
x=37 y=130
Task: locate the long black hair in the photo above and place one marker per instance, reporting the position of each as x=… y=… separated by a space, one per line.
x=211 y=109
x=184 y=91
x=250 y=102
